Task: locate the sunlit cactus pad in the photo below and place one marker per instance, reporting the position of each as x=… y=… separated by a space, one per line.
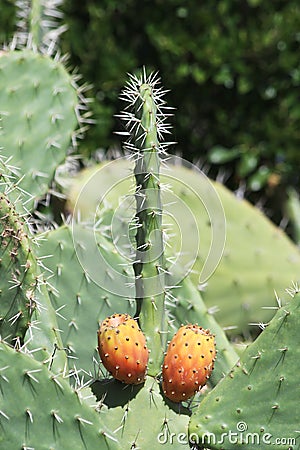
x=39 y=409
x=80 y=303
x=256 y=400
x=38 y=104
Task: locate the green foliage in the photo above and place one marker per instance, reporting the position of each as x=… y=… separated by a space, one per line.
x=293 y=213
x=258 y=393
x=7 y=19
x=232 y=69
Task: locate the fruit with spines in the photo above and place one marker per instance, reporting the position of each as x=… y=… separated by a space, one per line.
x=122 y=348
x=189 y=307
x=188 y=363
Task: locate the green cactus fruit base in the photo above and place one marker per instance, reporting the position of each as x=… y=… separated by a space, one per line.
x=81 y=304
x=141 y=417
x=40 y=410
x=257 y=404
x=258 y=258
x=38 y=103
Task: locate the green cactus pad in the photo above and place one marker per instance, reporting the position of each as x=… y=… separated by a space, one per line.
x=141 y=417
x=38 y=116
x=258 y=257
x=18 y=282
x=26 y=312
x=257 y=404
x=80 y=303
x=40 y=410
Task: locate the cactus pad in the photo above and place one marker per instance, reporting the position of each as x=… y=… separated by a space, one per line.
x=39 y=409
x=80 y=303
x=141 y=417
x=38 y=116
x=18 y=281
x=257 y=403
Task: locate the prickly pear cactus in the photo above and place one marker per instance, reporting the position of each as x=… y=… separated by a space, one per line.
x=256 y=404
x=27 y=317
x=55 y=295
x=258 y=257
x=145 y=122
x=141 y=417
x=39 y=409
x=18 y=281
x=78 y=299
x=39 y=23
x=38 y=115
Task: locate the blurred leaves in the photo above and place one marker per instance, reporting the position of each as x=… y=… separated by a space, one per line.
x=232 y=69
x=7 y=20
x=293 y=213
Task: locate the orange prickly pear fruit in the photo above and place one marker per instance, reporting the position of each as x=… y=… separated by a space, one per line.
x=122 y=348
x=188 y=363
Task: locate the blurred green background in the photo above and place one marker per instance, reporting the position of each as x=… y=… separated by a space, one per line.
x=233 y=70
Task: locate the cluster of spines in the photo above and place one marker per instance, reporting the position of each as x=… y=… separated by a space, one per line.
x=38 y=24
x=136 y=133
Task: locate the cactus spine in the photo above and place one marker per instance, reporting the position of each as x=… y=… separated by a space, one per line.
x=145 y=123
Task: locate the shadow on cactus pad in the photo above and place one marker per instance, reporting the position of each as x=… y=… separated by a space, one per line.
x=114 y=393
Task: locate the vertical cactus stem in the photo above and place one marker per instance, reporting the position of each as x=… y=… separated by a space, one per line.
x=35 y=21
x=145 y=123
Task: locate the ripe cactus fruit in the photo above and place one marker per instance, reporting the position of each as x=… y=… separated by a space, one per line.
x=122 y=348
x=188 y=363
